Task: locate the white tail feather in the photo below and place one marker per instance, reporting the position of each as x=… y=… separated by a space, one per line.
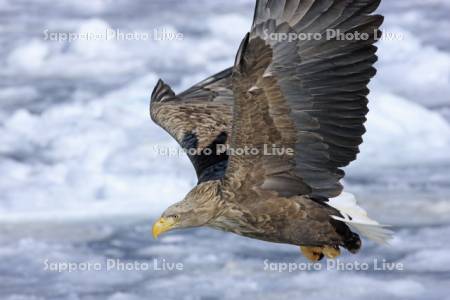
x=356 y=217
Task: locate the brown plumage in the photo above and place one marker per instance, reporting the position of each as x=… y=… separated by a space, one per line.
x=304 y=97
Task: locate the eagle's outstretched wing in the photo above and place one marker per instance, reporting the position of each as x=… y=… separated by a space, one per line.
x=199 y=119
x=302 y=92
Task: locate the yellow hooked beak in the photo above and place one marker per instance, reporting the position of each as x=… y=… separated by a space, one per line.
x=162 y=225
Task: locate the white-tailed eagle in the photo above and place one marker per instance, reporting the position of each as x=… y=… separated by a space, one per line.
x=290 y=113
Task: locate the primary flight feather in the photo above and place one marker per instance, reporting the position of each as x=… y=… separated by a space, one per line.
x=303 y=98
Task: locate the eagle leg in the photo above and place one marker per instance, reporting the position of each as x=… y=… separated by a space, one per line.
x=312 y=253
x=317 y=253
x=331 y=252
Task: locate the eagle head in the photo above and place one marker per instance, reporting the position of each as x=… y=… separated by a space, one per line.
x=198 y=208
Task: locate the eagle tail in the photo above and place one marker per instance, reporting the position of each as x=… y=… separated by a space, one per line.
x=356 y=218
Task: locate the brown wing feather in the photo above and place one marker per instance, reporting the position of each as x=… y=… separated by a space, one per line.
x=306 y=95
x=199 y=119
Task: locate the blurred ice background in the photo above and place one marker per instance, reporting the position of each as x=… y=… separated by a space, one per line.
x=81 y=176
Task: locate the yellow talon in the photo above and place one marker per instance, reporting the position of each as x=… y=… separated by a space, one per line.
x=331 y=252
x=317 y=253
x=312 y=253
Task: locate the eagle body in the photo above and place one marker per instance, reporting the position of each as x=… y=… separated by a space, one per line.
x=307 y=98
x=296 y=220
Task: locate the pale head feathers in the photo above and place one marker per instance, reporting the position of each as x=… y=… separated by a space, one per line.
x=198 y=207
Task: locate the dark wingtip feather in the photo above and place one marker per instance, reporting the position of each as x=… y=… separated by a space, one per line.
x=372 y=6
x=162 y=92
